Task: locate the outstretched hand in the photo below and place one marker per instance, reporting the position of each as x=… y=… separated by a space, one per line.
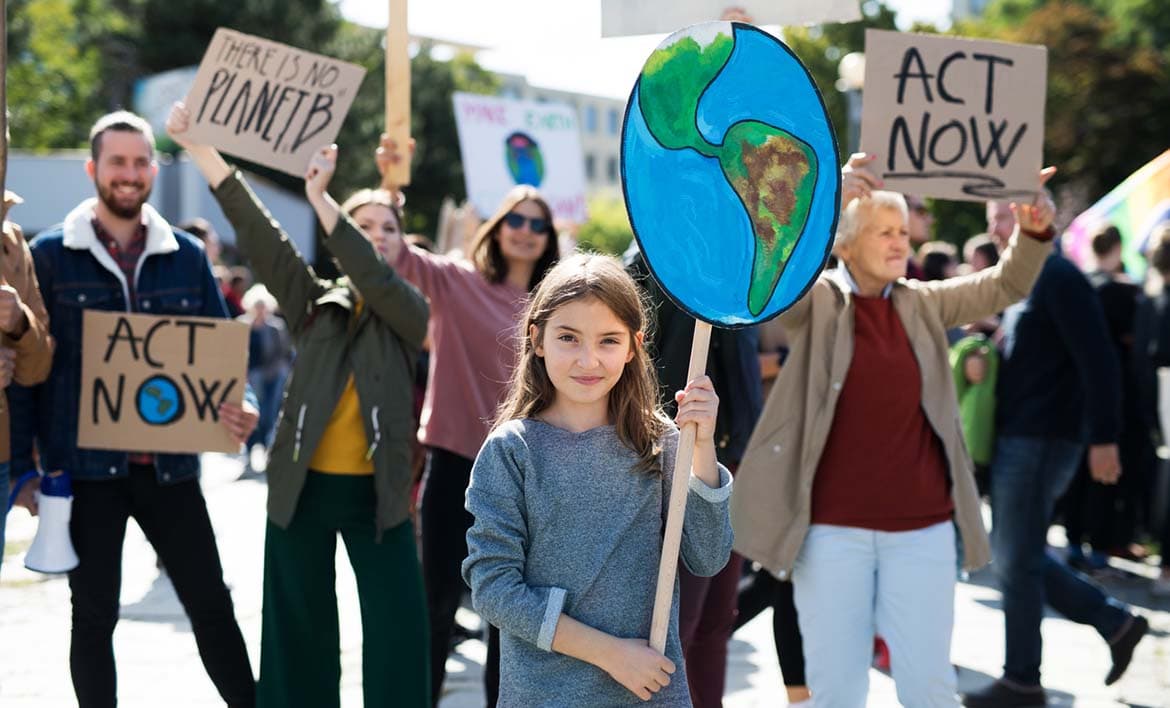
x=857 y=180
x=390 y=153
x=1104 y=463
x=1037 y=216
x=178 y=122
x=239 y=421
x=321 y=169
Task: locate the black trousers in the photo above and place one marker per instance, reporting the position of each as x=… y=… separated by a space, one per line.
x=445 y=523
x=1109 y=516
x=174 y=520
x=763 y=591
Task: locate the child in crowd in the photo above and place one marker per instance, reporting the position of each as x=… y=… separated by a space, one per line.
x=476 y=303
x=569 y=496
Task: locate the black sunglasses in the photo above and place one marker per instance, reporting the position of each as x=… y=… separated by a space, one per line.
x=539 y=224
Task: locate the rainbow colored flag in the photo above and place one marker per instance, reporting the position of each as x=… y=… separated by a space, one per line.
x=1135 y=207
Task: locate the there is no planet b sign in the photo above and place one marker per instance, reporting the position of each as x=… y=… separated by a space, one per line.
x=730 y=171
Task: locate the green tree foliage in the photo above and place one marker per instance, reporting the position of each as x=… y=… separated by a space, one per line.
x=72 y=60
x=175 y=33
x=1108 y=93
x=59 y=54
x=436 y=171
x=821 y=47
x=608 y=227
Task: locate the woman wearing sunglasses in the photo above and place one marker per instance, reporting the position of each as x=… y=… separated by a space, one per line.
x=475 y=307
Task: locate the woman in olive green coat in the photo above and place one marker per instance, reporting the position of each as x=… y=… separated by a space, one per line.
x=340 y=462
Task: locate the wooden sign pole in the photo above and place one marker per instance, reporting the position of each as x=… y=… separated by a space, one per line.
x=397 y=94
x=668 y=566
x=3 y=107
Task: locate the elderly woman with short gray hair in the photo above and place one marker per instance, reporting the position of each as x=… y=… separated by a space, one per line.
x=857 y=474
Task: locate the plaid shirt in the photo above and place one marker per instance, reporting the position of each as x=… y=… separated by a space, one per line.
x=127 y=259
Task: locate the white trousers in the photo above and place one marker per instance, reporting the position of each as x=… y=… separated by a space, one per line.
x=849 y=583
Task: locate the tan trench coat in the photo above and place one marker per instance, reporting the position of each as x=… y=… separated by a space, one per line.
x=771 y=500
x=34 y=350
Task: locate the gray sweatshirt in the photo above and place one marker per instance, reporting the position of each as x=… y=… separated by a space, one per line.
x=563 y=523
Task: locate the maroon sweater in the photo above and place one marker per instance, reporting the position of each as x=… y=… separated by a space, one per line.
x=883 y=467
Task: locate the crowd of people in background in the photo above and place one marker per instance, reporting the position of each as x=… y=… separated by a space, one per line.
x=992 y=372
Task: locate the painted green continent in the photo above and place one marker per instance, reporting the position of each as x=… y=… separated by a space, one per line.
x=773 y=172
x=672 y=84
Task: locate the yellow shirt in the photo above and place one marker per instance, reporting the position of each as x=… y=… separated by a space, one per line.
x=342 y=449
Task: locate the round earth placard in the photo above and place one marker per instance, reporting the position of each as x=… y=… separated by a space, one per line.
x=730 y=171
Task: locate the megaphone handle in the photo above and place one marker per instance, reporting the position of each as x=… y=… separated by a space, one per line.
x=31 y=474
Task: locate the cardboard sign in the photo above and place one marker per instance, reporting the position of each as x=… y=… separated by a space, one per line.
x=154 y=383
x=954 y=118
x=730 y=173
x=506 y=142
x=268 y=102
x=626 y=17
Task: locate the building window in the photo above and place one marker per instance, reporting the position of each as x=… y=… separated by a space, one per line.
x=591 y=119
x=590 y=168
x=611 y=170
x=613 y=121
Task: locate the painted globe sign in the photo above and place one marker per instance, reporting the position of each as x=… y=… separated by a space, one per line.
x=730 y=173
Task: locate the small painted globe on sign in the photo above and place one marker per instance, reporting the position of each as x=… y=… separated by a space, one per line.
x=730 y=173
x=525 y=161
x=159 y=400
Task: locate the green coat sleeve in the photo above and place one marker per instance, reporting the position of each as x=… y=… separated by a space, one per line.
x=395 y=301
x=273 y=257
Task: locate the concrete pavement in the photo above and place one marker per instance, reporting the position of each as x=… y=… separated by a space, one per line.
x=158 y=664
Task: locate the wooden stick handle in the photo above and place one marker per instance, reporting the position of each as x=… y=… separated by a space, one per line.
x=3 y=107
x=397 y=94
x=668 y=566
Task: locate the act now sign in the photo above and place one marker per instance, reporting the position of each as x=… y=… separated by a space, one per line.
x=506 y=142
x=954 y=118
x=155 y=383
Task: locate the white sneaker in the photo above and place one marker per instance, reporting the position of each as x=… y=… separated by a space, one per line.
x=1161 y=586
x=258 y=459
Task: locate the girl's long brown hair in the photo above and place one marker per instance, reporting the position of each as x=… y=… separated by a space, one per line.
x=485 y=252
x=633 y=401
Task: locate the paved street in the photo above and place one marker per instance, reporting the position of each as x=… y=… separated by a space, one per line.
x=159 y=666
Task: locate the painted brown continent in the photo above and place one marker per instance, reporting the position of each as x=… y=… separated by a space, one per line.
x=776 y=167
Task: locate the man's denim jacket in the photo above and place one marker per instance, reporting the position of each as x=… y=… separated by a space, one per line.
x=77 y=273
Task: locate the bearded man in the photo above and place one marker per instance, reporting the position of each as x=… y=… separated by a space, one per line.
x=115 y=252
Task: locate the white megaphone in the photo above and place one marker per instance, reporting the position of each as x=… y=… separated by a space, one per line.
x=51 y=550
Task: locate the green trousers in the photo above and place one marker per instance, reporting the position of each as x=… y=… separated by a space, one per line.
x=300 y=656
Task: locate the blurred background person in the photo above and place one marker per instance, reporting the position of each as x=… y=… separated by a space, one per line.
x=269 y=359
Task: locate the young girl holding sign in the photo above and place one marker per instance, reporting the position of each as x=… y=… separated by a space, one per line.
x=340 y=462
x=569 y=500
x=475 y=306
